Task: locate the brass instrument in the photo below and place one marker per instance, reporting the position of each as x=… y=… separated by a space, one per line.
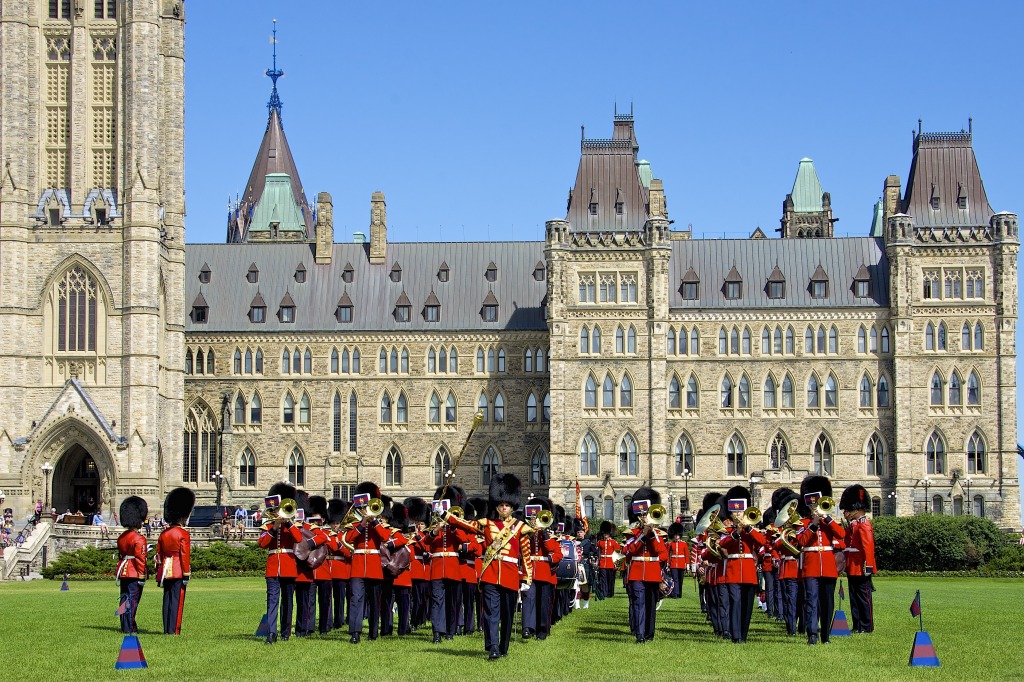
x=355 y=515
x=787 y=516
x=541 y=521
x=618 y=559
x=709 y=518
x=825 y=505
x=656 y=514
x=284 y=512
x=751 y=516
x=436 y=519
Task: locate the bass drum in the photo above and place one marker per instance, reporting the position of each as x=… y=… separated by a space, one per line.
x=567 y=570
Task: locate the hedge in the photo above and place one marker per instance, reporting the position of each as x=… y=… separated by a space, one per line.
x=214 y=560
x=934 y=542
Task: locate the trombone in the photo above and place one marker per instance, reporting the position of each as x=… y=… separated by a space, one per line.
x=283 y=512
x=542 y=521
x=354 y=517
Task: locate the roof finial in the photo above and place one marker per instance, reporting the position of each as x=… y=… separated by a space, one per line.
x=275 y=101
x=918 y=126
x=970 y=125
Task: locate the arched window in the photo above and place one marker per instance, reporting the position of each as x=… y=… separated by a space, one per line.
x=345 y=359
x=809 y=340
x=353 y=421
x=823 y=456
x=746 y=341
x=402 y=409
x=539 y=467
x=385 y=408
x=499 y=409
x=766 y=341
x=239 y=409
x=453 y=361
x=873 y=340
x=620 y=339
x=875 y=453
x=833 y=340
x=821 y=340
x=79 y=312
x=501 y=359
x=286 y=362
x=405 y=361
x=528 y=360
x=255 y=409
x=778 y=453
x=393 y=361
x=595 y=340
x=199 y=361
x=434 y=411
x=334 y=361
x=489 y=464
x=737 y=465
x=937 y=506
x=865 y=391
x=831 y=392
x=631 y=339
x=790 y=341
x=769 y=393
x=247 y=469
x=296 y=362
x=393 y=467
x=777 y=350
x=883 y=392
x=935 y=454
x=236 y=362
x=608 y=392
x=307 y=362
x=723 y=342
x=442 y=360
x=683 y=341
x=936 y=389
x=288 y=413
x=692 y=393
x=336 y=423
x=585 y=339
x=726 y=391
x=674 y=396
x=813 y=401
x=973 y=389
x=200 y=445
x=965 y=337
x=483 y=406
x=684 y=456
x=885 y=339
x=541 y=356
x=929 y=337
x=480 y=359
x=531 y=409
x=609 y=508
x=588 y=456
x=626 y=392
x=490 y=360
x=670 y=342
x=248 y=362
x=304 y=416
x=979 y=337
x=743 y=393
x=545 y=413
x=734 y=341
x=188 y=361
x=979 y=506
x=431 y=361
x=296 y=468
x=627 y=456
x=862 y=340
x=442 y=465
x=588 y=506
x=694 y=341
x=941 y=339
x=955 y=383
x=788 y=400
x=450 y=409
x=975 y=454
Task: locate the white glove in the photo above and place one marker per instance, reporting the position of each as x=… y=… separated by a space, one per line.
x=523 y=587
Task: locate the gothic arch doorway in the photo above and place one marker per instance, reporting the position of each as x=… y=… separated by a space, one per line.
x=83 y=475
x=76 y=482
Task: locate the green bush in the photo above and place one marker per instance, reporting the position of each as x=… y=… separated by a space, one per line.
x=933 y=542
x=85 y=561
x=220 y=556
x=1010 y=558
x=213 y=560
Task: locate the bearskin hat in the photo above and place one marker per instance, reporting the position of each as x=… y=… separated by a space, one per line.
x=285 y=490
x=336 y=510
x=178 y=505
x=418 y=509
x=675 y=528
x=134 y=511
x=739 y=492
x=559 y=514
x=607 y=528
x=812 y=484
x=302 y=502
x=782 y=496
x=505 y=488
x=576 y=526
x=479 y=507
x=399 y=515
x=855 y=498
x=544 y=502
x=767 y=517
x=643 y=493
x=388 y=509
x=368 y=488
x=318 y=506
x=710 y=499
x=452 y=494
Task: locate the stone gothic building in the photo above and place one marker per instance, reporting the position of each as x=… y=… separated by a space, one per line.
x=616 y=352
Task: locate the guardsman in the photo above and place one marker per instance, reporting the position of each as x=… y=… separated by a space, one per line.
x=607 y=545
x=340 y=561
x=860 y=556
x=442 y=543
x=789 y=572
x=507 y=568
x=820 y=536
x=173 y=551
x=466 y=622
x=545 y=553
x=131 y=566
x=767 y=559
x=678 y=557
x=647 y=552
x=740 y=547
x=419 y=516
x=305 y=596
x=279 y=537
x=366 y=537
x=402 y=584
x=387 y=585
x=322 y=576
x=586 y=550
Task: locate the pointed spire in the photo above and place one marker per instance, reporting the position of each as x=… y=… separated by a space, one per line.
x=275 y=100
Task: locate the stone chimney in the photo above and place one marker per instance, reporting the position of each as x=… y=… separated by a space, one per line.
x=891 y=198
x=324 y=228
x=378 y=228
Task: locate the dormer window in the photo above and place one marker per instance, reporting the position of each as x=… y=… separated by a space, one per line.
x=862 y=283
x=204 y=274
x=593 y=201
x=344 y=310
x=491 y=274
x=690 y=287
x=935 y=197
x=54 y=217
x=200 y=310
x=403 y=308
x=286 y=312
x=539 y=272
x=961 y=196
x=347 y=274
x=489 y=311
x=776 y=284
x=733 y=288
x=300 y=274
x=396 y=273
x=253 y=276
x=258 y=310
x=442 y=273
x=100 y=215
x=619 y=202
x=432 y=309
x=819 y=283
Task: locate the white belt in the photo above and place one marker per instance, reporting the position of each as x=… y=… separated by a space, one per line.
x=510 y=559
x=367 y=551
x=436 y=554
x=789 y=558
x=282 y=551
x=644 y=558
x=131 y=557
x=851 y=549
x=739 y=556
x=337 y=557
x=816 y=548
x=537 y=557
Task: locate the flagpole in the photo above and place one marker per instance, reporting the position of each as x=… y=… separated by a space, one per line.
x=920 y=614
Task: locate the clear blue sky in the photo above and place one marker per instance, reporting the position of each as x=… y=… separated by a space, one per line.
x=467 y=114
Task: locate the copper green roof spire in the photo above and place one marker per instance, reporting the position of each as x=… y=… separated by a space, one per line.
x=806 y=188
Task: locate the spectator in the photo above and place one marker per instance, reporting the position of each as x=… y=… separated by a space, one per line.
x=19 y=541
x=39 y=511
x=146 y=527
x=97 y=520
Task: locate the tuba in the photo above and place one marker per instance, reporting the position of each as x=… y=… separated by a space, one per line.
x=786 y=521
x=656 y=514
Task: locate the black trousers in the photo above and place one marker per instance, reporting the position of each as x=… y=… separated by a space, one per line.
x=608 y=577
x=537 y=605
x=769 y=594
x=323 y=589
x=741 y=606
x=365 y=601
x=819 y=605
x=723 y=608
x=172 y=605
x=644 y=605
x=339 y=590
x=303 y=591
x=403 y=597
x=443 y=594
x=710 y=593
x=280 y=593
x=677 y=586
x=861 y=606
x=387 y=606
x=499 y=608
x=131 y=592
x=468 y=593
x=421 y=602
x=790 y=590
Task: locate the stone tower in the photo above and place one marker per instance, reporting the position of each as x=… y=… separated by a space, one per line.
x=807 y=210
x=92 y=246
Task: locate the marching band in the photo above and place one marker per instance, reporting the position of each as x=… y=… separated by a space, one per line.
x=467 y=564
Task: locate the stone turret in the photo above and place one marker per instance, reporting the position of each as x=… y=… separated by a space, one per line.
x=324 y=228
x=378 y=228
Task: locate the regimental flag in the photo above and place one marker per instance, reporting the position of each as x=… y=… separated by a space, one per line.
x=579 y=508
x=131 y=655
x=737 y=505
x=842 y=594
x=121 y=608
x=640 y=507
x=64 y=585
x=840 y=626
x=264 y=629
x=915 y=606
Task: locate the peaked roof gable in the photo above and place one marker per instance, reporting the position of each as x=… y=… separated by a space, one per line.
x=944 y=168
x=807 y=188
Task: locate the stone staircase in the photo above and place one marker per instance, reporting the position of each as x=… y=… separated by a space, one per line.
x=19 y=560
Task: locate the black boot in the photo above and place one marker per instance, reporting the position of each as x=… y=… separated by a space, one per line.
x=437 y=638
x=354 y=639
x=812 y=638
x=494 y=655
x=271 y=638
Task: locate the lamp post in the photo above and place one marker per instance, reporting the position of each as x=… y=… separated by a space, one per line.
x=927 y=482
x=969 y=501
x=753 y=480
x=47 y=469
x=218 y=480
x=672 y=507
x=892 y=496
x=685 y=505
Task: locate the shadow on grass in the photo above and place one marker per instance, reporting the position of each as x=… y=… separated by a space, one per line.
x=117 y=630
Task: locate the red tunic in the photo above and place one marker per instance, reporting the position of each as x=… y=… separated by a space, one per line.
x=172 y=554
x=404 y=579
x=131 y=548
x=678 y=554
x=339 y=558
x=321 y=537
x=860 y=550
x=512 y=565
x=367 y=539
x=281 y=543
x=416 y=567
x=545 y=555
x=646 y=555
x=816 y=548
x=468 y=558
x=444 y=553
x=607 y=547
x=740 y=556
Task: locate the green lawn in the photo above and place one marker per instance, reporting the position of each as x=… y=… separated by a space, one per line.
x=53 y=635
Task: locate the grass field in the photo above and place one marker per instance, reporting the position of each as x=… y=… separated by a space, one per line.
x=53 y=635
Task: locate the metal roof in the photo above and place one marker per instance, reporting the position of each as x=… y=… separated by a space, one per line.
x=754 y=260
x=944 y=167
x=806 y=188
x=371 y=293
x=277 y=206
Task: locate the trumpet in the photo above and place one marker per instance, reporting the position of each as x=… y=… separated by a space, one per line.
x=542 y=520
x=284 y=512
x=656 y=514
x=751 y=516
x=355 y=516
x=825 y=505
